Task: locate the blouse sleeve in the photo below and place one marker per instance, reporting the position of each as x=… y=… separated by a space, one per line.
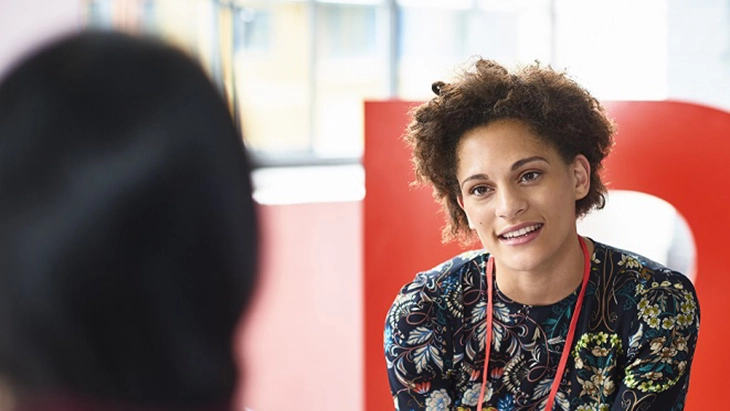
x=661 y=346
x=417 y=345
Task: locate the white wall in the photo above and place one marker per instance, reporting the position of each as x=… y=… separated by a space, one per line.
x=699 y=51
x=25 y=24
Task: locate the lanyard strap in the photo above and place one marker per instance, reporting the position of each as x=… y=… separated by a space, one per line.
x=568 y=339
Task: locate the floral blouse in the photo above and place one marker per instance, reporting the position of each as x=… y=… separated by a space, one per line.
x=633 y=346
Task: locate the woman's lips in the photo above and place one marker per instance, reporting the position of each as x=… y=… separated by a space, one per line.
x=521 y=235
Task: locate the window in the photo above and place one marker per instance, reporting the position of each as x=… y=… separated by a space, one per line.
x=302 y=79
x=437 y=37
x=296 y=72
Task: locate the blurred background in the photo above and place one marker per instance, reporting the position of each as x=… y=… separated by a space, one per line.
x=296 y=74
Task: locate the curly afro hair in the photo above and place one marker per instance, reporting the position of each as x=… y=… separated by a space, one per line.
x=558 y=110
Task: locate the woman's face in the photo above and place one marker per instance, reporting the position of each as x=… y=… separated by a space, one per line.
x=519 y=195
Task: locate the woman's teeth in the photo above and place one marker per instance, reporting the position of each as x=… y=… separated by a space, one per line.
x=522 y=231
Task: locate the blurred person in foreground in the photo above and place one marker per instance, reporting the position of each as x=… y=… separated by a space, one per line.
x=128 y=246
x=541 y=318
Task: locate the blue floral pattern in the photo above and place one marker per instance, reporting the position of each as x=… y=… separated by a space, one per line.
x=633 y=347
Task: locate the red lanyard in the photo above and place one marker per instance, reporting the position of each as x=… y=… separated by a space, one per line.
x=568 y=338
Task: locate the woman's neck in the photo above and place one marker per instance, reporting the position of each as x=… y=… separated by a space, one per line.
x=546 y=284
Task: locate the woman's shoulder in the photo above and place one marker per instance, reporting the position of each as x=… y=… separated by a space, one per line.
x=449 y=273
x=631 y=265
x=442 y=284
x=659 y=315
x=428 y=309
x=659 y=296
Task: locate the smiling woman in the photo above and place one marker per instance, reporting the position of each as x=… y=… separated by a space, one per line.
x=541 y=318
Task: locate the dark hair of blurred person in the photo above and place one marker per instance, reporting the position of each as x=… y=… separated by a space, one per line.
x=128 y=242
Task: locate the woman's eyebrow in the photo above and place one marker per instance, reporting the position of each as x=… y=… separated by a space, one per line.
x=474 y=177
x=519 y=163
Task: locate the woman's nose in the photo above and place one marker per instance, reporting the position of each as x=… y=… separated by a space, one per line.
x=510 y=202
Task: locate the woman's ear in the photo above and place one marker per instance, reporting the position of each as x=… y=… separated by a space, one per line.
x=460 y=200
x=581 y=169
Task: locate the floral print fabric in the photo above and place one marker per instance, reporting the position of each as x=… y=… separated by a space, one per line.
x=633 y=345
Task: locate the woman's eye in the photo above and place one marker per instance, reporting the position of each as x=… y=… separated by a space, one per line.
x=479 y=190
x=530 y=176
